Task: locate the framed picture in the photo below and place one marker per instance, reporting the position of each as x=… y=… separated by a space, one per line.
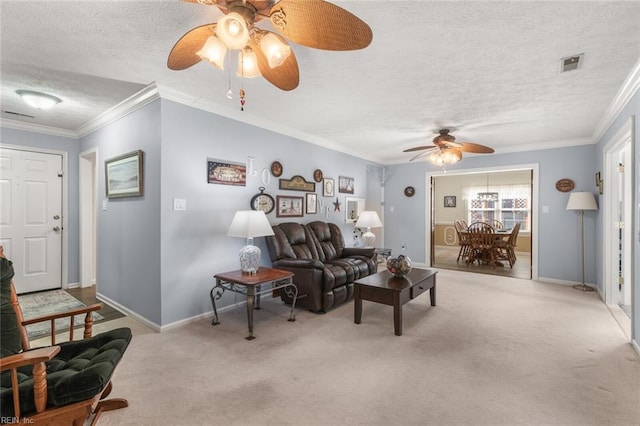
x=124 y=175
x=226 y=173
x=449 y=200
x=311 y=205
x=289 y=206
x=354 y=206
x=328 y=188
x=345 y=184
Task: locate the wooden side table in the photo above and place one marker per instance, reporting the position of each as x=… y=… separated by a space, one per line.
x=250 y=285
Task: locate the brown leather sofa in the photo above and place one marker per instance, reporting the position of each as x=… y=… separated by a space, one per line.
x=324 y=268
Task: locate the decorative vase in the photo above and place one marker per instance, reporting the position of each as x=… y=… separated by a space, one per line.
x=399 y=266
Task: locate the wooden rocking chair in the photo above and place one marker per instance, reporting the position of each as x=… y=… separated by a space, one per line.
x=61 y=384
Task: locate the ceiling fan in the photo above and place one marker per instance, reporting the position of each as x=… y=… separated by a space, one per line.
x=445 y=149
x=312 y=23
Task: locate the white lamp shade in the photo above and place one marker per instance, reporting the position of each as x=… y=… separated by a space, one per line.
x=582 y=201
x=275 y=49
x=213 y=51
x=248 y=64
x=249 y=224
x=233 y=31
x=369 y=219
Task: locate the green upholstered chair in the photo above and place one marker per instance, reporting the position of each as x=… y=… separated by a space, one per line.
x=62 y=384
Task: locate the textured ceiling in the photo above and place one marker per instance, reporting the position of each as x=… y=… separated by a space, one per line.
x=488 y=70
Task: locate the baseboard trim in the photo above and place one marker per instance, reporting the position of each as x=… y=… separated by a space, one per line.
x=636 y=346
x=128 y=312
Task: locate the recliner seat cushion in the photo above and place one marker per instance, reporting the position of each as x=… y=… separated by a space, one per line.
x=81 y=370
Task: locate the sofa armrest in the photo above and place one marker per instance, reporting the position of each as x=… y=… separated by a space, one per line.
x=358 y=251
x=298 y=263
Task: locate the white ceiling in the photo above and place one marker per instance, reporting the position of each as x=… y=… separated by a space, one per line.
x=488 y=70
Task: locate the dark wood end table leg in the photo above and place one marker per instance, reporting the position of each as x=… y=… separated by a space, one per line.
x=357 y=303
x=250 y=300
x=397 y=314
x=432 y=293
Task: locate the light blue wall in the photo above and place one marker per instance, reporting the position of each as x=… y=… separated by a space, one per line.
x=194 y=242
x=558 y=230
x=128 y=235
x=71 y=147
x=632 y=109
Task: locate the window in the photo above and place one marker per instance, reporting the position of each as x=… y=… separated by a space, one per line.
x=511 y=207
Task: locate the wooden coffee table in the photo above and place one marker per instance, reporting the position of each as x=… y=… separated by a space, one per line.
x=384 y=288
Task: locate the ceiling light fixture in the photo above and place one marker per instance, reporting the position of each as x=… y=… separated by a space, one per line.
x=445 y=156
x=38 y=100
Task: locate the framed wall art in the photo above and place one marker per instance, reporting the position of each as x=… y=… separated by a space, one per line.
x=345 y=184
x=289 y=206
x=328 y=187
x=226 y=173
x=311 y=204
x=449 y=200
x=124 y=175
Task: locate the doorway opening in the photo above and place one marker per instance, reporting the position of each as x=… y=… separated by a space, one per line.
x=88 y=217
x=460 y=195
x=618 y=200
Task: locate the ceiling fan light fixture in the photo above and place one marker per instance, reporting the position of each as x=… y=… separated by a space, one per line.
x=445 y=156
x=38 y=100
x=213 y=51
x=275 y=50
x=233 y=30
x=248 y=64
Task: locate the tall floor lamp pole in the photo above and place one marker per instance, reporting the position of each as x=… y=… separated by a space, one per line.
x=582 y=201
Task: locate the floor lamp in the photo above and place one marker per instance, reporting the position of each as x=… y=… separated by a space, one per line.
x=582 y=201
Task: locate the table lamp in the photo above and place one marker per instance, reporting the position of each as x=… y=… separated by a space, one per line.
x=368 y=219
x=582 y=201
x=249 y=224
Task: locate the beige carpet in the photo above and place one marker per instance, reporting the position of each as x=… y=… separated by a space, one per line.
x=495 y=351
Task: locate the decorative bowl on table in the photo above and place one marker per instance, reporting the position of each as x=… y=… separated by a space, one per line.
x=399 y=266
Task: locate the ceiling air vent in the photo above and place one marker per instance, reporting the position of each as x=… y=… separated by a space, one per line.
x=571 y=63
x=19 y=114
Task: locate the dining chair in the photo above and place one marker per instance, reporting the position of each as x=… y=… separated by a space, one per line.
x=463 y=239
x=495 y=224
x=482 y=244
x=507 y=249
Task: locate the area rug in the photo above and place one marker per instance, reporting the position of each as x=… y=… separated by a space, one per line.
x=47 y=302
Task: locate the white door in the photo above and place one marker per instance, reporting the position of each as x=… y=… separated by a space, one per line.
x=31 y=217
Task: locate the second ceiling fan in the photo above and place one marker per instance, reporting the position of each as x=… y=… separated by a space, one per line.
x=445 y=149
x=317 y=24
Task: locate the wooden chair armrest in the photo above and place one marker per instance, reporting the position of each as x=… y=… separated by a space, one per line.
x=88 y=320
x=69 y=313
x=28 y=357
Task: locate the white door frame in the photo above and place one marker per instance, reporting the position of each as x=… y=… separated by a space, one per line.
x=88 y=199
x=65 y=202
x=534 y=206
x=623 y=139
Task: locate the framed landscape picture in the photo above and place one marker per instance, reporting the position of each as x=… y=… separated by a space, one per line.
x=289 y=206
x=124 y=175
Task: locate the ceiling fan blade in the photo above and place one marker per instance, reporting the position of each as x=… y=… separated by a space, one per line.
x=422 y=154
x=183 y=55
x=418 y=148
x=320 y=24
x=474 y=147
x=286 y=76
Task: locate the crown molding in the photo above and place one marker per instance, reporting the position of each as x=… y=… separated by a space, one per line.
x=37 y=128
x=129 y=105
x=622 y=98
x=205 y=104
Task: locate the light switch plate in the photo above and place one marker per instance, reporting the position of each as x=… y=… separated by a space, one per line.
x=179 y=204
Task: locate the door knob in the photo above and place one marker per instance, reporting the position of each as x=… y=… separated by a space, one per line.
x=56 y=228
x=56 y=217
